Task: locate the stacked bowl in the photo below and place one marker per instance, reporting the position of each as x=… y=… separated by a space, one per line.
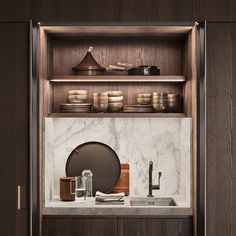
x=77 y=96
x=159 y=102
x=115 y=99
x=144 y=98
x=77 y=102
x=173 y=102
x=100 y=102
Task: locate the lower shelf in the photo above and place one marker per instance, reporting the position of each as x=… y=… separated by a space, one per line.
x=161 y=115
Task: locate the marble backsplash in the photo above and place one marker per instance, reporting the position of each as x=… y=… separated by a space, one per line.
x=165 y=141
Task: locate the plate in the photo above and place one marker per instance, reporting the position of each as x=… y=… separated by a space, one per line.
x=100 y=159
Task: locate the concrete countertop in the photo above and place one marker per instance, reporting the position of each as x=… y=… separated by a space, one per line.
x=89 y=207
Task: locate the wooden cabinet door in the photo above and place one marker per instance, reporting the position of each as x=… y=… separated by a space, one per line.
x=218 y=10
x=221 y=129
x=158 y=10
x=79 y=226
x=14 y=126
x=13 y=10
x=155 y=227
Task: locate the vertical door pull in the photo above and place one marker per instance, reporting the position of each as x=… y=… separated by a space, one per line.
x=21 y=201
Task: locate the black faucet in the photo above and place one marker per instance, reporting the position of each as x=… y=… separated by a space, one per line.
x=150 y=185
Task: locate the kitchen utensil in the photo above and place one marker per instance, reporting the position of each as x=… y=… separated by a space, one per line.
x=115 y=93
x=144 y=70
x=123 y=182
x=144 y=95
x=89 y=182
x=115 y=99
x=76 y=107
x=159 y=102
x=100 y=159
x=67 y=188
x=88 y=66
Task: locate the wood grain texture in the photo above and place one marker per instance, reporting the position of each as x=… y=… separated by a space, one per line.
x=221 y=130
x=166 y=54
x=75 y=10
x=158 y=10
x=218 y=10
x=14 y=125
x=13 y=10
x=155 y=227
x=81 y=227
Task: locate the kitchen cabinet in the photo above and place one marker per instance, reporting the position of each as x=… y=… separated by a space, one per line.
x=13 y=10
x=218 y=10
x=116 y=226
x=14 y=126
x=221 y=129
x=79 y=226
x=155 y=227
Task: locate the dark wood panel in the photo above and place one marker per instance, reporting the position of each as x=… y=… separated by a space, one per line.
x=221 y=129
x=158 y=10
x=218 y=10
x=81 y=227
x=155 y=227
x=14 y=120
x=73 y=10
x=13 y=10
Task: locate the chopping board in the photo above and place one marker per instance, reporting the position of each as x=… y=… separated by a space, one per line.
x=100 y=159
x=123 y=182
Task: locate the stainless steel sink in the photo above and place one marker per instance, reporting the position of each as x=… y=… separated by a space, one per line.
x=152 y=201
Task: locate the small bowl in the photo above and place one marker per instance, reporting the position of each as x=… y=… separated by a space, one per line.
x=77 y=92
x=158 y=94
x=144 y=95
x=159 y=107
x=115 y=107
x=144 y=101
x=116 y=99
x=115 y=93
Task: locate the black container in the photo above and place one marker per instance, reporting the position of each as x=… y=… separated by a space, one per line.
x=144 y=70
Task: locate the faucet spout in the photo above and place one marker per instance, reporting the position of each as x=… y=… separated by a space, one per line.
x=150 y=185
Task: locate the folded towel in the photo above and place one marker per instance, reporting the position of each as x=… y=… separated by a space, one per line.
x=109 y=198
x=100 y=194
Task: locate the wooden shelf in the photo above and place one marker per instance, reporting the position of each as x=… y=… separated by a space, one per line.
x=116 y=78
x=113 y=115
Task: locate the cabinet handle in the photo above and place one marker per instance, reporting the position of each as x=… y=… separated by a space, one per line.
x=21 y=201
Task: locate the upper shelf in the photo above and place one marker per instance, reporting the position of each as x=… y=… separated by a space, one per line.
x=117 y=78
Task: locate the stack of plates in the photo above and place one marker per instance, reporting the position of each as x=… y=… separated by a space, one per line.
x=76 y=107
x=115 y=99
x=137 y=108
x=77 y=96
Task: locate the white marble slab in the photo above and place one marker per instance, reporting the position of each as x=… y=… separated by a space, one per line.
x=165 y=141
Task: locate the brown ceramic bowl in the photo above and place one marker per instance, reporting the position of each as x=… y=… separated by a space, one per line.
x=144 y=100
x=144 y=95
x=115 y=107
x=159 y=107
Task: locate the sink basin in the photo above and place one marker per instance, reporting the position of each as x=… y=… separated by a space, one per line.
x=152 y=201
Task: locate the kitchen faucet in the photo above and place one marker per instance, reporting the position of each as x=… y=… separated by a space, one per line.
x=150 y=185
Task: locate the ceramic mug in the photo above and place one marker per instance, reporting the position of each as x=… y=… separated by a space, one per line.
x=67 y=188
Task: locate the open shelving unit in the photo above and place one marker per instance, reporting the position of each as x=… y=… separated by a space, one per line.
x=171 y=48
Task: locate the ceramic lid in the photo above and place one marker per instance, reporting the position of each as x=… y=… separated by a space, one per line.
x=88 y=63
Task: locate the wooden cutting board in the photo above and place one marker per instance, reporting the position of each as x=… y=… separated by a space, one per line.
x=123 y=182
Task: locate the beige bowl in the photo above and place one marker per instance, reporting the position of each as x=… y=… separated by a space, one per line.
x=144 y=101
x=77 y=92
x=158 y=94
x=115 y=93
x=116 y=99
x=144 y=95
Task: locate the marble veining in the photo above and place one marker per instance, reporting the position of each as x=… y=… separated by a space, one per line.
x=165 y=141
